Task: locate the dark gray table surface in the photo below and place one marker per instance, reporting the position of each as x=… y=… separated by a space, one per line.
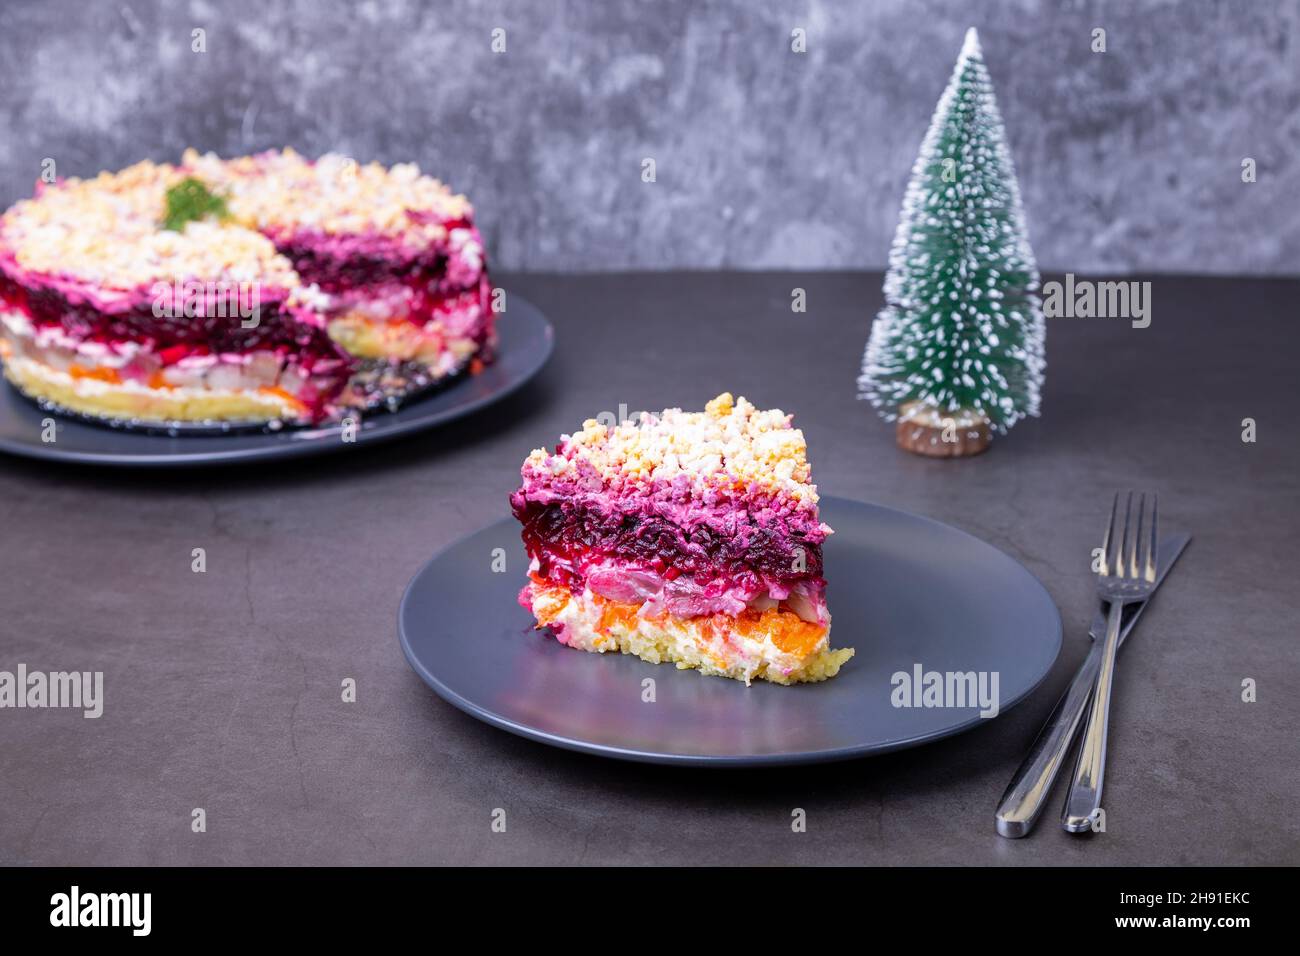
x=223 y=689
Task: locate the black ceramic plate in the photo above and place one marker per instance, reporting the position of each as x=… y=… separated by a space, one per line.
x=526 y=340
x=903 y=590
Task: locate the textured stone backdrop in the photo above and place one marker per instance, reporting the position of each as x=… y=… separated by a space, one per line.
x=1129 y=160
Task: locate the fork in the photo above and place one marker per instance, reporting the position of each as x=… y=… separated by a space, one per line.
x=1127 y=575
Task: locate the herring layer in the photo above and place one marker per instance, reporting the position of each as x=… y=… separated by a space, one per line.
x=772 y=645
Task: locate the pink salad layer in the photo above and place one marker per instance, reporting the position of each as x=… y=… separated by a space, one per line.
x=667 y=544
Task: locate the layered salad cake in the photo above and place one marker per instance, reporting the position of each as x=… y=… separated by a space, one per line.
x=260 y=289
x=690 y=537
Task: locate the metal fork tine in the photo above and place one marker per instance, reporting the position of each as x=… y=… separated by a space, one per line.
x=1150 y=570
x=1139 y=539
x=1125 y=550
x=1107 y=541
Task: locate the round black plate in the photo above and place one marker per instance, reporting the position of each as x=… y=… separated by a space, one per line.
x=526 y=341
x=905 y=591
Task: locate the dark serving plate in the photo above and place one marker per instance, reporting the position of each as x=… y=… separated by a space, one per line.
x=905 y=591
x=526 y=341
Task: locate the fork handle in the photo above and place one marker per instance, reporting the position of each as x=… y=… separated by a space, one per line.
x=1084 y=799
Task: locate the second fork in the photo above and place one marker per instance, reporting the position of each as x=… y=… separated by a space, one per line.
x=1127 y=575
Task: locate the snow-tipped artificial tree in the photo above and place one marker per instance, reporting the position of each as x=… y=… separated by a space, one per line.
x=957 y=351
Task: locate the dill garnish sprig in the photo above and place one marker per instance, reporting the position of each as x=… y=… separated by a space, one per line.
x=190 y=200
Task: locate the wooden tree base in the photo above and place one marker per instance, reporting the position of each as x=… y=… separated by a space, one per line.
x=925 y=430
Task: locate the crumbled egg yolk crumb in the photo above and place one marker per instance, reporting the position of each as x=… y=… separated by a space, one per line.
x=334 y=194
x=107 y=230
x=730 y=443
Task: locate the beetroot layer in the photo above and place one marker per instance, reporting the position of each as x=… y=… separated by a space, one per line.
x=291 y=332
x=362 y=267
x=566 y=535
x=277 y=323
x=338 y=263
x=726 y=508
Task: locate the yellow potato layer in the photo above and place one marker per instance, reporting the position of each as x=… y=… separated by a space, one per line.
x=130 y=401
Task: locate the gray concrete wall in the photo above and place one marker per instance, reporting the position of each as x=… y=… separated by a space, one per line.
x=1130 y=160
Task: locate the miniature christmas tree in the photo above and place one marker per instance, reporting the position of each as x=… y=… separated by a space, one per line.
x=957 y=351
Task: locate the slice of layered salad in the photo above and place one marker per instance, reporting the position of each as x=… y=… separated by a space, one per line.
x=683 y=537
